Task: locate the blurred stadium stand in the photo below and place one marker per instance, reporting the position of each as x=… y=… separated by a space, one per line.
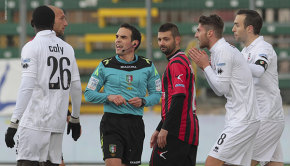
x=88 y=28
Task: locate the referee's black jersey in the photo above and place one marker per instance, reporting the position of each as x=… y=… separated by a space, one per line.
x=178 y=99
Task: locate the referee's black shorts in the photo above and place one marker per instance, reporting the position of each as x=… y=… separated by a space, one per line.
x=175 y=153
x=122 y=136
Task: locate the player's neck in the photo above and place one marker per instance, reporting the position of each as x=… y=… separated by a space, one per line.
x=173 y=52
x=212 y=41
x=127 y=57
x=250 y=40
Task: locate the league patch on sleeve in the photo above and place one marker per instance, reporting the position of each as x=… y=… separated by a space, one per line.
x=93 y=83
x=158 y=85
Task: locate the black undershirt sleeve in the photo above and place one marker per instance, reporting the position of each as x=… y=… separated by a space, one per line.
x=174 y=112
x=159 y=125
x=68 y=113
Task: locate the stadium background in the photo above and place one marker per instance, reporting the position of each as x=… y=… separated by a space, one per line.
x=91 y=31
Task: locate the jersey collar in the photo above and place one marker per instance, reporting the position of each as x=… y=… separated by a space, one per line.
x=255 y=42
x=125 y=62
x=216 y=45
x=175 y=54
x=45 y=32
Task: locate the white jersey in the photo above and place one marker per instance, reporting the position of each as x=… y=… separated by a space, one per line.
x=51 y=62
x=267 y=86
x=230 y=66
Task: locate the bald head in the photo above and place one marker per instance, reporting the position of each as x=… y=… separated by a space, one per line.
x=60 y=20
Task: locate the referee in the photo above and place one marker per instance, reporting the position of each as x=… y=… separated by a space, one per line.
x=125 y=77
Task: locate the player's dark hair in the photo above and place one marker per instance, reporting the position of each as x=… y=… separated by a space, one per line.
x=136 y=35
x=43 y=18
x=213 y=22
x=169 y=27
x=252 y=18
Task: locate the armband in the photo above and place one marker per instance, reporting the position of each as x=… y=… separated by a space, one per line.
x=262 y=63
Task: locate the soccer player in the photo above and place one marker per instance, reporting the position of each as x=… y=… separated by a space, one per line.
x=125 y=77
x=59 y=26
x=49 y=76
x=262 y=60
x=228 y=74
x=175 y=140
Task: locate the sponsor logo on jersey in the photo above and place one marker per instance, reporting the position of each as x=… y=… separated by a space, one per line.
x=24 y=63
x=135 y=162
x=179 y=77
x=129 y=78
x=219 y=71
x=147 y=60
x=216 y=149
x=25 y=66
x=161 y=154
x=106 y=61
x=56 y=48
x=179 y=85
x=128 y=67
x=113 y=149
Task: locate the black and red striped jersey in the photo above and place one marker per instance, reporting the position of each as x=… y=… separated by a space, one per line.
x=179 y=116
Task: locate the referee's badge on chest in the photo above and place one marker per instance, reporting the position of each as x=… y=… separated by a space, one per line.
x=129 y=78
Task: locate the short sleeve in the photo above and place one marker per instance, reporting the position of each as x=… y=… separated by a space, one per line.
x=263 y=57
x=178 y=74
x=75 y=69
x=29 y=61
x=224 y=66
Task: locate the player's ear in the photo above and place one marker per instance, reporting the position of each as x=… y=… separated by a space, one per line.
x=250 y=28
x=32 y=23
x=135 y=43
x=210 y=33
x=177 y=40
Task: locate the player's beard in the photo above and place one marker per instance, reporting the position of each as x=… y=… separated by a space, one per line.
x=168 y=50
x=204 y=43
x=240 y=38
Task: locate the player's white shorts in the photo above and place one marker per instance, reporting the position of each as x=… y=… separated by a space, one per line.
x=235 y=145
x=267 y=142
x=39 y=146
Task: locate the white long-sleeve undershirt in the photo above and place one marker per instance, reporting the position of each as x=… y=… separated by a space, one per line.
x=219 y=87
x=25 y=92
x=257 y=70
x=24 y=95
x=76 y=97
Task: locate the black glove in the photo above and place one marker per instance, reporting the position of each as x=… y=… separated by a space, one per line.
x=75 y=126
x=11 y=131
